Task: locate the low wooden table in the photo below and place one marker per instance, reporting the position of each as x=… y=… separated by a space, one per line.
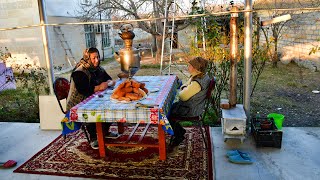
x=99 y=108
x=161 y=140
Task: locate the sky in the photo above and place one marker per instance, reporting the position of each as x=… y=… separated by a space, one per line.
x=61 y=7
x=68 y=7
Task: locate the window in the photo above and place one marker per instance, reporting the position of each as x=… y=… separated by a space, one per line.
x=106 y=36
x=89 y=35
x=99 y=28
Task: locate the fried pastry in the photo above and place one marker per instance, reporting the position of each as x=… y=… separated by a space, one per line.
x=135 y=84
x=128 y=84
x=132 y=96
x=130 y=90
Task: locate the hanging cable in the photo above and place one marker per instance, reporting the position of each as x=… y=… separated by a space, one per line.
x=153 y=19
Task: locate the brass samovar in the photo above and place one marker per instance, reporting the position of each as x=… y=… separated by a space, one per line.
x=129 y=57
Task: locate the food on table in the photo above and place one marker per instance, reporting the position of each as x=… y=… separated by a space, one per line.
x=130 y=90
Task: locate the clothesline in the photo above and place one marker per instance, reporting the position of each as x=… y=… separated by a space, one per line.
x=153 y=19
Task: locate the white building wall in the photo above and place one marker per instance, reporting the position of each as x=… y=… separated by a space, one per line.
x=74 y=37
x=26 y=46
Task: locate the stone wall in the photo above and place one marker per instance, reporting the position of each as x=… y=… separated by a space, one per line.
x=185 y=37
x=25 y=45
x=300 y=35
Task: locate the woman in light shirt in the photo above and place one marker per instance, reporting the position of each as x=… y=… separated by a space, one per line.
x=191 y=97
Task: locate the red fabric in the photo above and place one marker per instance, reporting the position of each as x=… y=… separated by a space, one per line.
x=9 y=164
x=211 y=87
x=61 y=88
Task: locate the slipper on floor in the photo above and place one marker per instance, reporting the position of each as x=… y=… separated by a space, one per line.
x=239 y=159
x=8 y=164
x=113 y=135
x=237 y=152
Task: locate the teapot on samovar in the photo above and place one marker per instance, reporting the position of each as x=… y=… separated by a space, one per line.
x=129 y=57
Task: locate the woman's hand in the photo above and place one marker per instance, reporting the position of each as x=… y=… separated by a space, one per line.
x=104 y=85
x=101 y=87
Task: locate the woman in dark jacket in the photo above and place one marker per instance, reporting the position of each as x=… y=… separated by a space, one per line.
x=87 y=78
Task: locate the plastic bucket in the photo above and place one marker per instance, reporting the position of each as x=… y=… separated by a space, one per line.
x=278 y=119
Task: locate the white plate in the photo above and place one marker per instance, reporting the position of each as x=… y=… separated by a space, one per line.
x=108 y=91
x=153 y=90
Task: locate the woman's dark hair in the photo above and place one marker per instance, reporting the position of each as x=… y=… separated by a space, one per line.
x=93 y=50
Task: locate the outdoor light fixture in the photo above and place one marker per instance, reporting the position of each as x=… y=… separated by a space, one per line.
x=276 y=20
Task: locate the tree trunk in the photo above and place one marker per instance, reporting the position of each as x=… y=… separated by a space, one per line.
x=275 y=55
x=275 y=34
x=159 y=47
x=154 y=43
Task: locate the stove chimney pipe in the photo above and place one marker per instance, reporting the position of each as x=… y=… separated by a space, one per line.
x=233 y=56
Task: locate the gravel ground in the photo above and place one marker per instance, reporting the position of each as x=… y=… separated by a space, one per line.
x=288 y=90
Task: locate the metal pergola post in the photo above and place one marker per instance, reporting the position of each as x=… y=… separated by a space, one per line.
x=164 y=33
x=204 y=25
x=247 y=57
x=46 y=44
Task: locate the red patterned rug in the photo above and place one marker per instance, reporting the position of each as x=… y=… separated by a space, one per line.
x=73 y=157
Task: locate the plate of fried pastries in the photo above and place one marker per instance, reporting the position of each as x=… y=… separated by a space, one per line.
x=129 y=91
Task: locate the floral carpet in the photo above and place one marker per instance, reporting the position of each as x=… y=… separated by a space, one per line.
x=73 y=157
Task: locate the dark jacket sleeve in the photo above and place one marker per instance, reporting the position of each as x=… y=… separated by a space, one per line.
x=101 y=76
x=82 y=83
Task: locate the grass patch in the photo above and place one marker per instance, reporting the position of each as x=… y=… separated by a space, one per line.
x=19 y=106
x=285 y=90
x=292 y=84
x=148 y=66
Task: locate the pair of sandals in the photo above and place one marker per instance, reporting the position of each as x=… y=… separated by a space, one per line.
x=8 y=164
x=239 y=157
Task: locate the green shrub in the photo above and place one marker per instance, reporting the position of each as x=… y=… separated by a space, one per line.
x=19 y=106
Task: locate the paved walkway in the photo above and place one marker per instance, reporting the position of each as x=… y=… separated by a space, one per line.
x=297 y=159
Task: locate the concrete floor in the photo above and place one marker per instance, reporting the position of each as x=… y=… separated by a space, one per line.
x=297 y=159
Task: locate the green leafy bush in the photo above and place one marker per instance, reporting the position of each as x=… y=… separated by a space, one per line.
x=19 y=106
